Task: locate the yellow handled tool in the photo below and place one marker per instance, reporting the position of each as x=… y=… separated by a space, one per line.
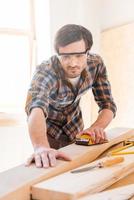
x=86 y=139
x=106 y=163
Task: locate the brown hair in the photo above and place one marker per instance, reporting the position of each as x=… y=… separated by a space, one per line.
x=72 y=33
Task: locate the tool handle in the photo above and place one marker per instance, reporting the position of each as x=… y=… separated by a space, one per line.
x=111 y=161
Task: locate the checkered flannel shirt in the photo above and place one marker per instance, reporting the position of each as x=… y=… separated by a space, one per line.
x=59 y=100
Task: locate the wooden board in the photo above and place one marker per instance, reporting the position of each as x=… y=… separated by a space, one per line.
x=120 y=193
x=70 y=186
x=117 y=50
x=16 y=183
x=125 y=181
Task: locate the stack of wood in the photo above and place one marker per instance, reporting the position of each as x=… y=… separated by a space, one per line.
x=58 y=183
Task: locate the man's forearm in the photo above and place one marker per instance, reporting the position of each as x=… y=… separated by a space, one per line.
x=44 y=155
x=104 y=118
x=37 y=128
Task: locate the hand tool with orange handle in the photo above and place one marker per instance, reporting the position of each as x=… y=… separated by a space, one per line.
x=106 y=163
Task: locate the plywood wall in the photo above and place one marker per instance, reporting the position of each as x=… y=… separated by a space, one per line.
x=117 y=49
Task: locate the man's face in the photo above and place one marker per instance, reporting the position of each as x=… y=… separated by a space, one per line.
x=73 y=58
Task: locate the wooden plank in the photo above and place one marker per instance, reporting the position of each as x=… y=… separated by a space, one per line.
x=125 y=181
x=72 y=186
x=15 y=183
x=120 y=193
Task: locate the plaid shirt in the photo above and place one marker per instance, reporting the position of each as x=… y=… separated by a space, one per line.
x=58 y=98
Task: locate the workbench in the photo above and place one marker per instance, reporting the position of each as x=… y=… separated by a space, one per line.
x=18 y=183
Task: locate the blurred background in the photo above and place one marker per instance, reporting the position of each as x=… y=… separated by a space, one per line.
x=27 y=30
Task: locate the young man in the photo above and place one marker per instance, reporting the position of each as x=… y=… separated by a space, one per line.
x=52 y=106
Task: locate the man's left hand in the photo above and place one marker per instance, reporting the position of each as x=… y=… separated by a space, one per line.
x=98 y=134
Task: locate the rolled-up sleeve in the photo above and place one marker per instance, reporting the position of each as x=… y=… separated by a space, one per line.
x=38 y=93
x=102 y=89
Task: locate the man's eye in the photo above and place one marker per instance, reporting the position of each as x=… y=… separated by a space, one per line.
x=65 y=57
x=79 y=56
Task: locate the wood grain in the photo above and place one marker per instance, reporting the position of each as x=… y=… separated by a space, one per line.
x=70 y=186
x=125 y=181
x=16 y=183
x=120 y=193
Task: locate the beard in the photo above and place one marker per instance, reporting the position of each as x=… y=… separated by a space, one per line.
x=73 y=72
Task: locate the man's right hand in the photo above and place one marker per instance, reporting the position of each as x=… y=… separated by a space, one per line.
x=46 y=157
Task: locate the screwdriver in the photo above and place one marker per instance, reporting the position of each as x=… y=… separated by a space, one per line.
x=106 y=163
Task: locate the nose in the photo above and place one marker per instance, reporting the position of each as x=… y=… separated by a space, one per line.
x=73 y=61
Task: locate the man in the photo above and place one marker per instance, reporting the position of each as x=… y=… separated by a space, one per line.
x=52 y=106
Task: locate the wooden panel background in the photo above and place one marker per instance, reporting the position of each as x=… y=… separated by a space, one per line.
x=117 y=50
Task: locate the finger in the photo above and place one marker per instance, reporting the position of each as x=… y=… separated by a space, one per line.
x=102 y=134
x=97 y=136
x=102 y=137
x=52 y=159
x=63 y=156
x=45 y=159
x=105 y=136
x=29 y=160
x=93 y=137
x=38 y=160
